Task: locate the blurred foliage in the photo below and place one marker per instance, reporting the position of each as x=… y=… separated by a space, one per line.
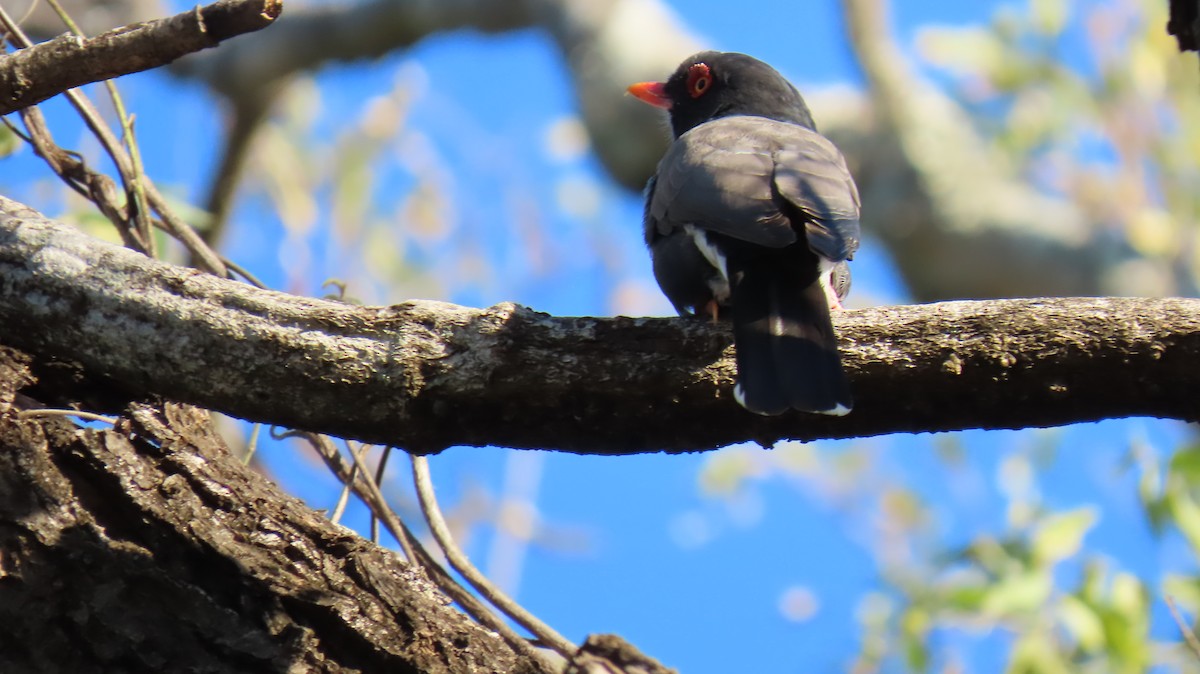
x=335 y=194
x=9 y=142
x=1093 y=101
x=1032 y=589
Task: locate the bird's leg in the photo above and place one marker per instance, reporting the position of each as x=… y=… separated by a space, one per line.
x=711 y=309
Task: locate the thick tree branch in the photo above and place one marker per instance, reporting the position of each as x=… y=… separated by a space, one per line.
x=30 y=76
x=427 y=375
x=149 y=548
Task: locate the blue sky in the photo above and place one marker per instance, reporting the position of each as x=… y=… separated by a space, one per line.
x=695 y=580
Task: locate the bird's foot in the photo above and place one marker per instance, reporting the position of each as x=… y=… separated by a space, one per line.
x=712 y=309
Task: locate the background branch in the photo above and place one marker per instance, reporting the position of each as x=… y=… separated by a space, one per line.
x=992 y=233
x=606 y=44
x=932 y=187
x=29 y=76
x=409 y=375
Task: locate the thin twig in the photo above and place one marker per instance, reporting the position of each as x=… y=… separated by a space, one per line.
x=28 y=12
x=202 y=254
x=125 y=169
x=252 y=446
x=136 y=192
x=374 y=500
x=73 y=170
x=49 y=412
x=344 y=496
x=16 y=130
x=97 y=188
x=458 y=560
x=68 y=166
x=347 y=475
x=92 y=119
x=379 y=470
x=1188 y=635
x=383 y=510
x=241 y=271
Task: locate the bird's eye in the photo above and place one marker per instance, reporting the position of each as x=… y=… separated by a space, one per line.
x=699 y=80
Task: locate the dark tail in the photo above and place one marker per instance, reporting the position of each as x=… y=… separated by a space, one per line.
x=787 y=353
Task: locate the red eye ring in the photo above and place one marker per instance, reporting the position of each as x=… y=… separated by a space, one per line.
x=699 y=80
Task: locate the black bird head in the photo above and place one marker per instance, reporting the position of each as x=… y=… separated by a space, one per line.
x=713 y=84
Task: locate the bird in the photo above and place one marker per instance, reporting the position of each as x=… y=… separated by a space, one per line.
x=751 y=216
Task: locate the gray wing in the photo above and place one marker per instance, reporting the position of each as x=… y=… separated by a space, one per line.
x=743 y=176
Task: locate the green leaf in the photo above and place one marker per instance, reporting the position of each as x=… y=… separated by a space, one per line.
x=1049 y=16
x=1083 y=623
x=1150 y=493
x=1018 y=594
x=1059 y=536
x=1186 y=464
x=1127 y=624
x=9 y=141
x=1184 y=590
x=914 y=627
x=1185 y=510
x=966 y=598
x=1036 y=653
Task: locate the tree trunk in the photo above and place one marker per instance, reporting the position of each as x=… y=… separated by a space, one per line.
x=148 y=547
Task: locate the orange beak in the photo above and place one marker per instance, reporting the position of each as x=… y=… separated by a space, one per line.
x=654 y=93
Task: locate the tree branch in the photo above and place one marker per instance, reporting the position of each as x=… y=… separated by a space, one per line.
x=964 y=204
x=30 y=76
x=428 y=375
x=607 y=44
x=931 y=188
x=149 y=546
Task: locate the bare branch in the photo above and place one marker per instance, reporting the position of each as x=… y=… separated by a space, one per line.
x=248 y=114
x=481 y=583
x=611 y=653
x=369 y=492
x=428 y=375
x=100 y=190
x=1189 y=635
x=32 y=75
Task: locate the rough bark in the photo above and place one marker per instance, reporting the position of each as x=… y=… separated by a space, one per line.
x=149 y=548
x=427 y=375
x=30 y=76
